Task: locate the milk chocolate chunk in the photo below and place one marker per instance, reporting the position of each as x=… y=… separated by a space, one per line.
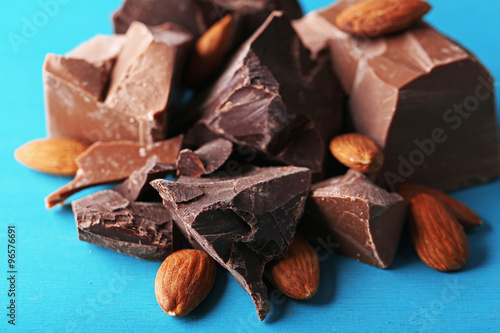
x=242 y=222
x=100 y=51
x=90 y=99
x=109 y=162
x=136 y=187
x=427 y=101
x=274 y=99
x=83 y=69
x=139 y=229
x=364 y=220
x=205 y=160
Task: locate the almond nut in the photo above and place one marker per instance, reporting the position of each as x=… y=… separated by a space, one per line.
x=296 y=274
x=381 y=17
x=438 y=238
x=55 y=156
x=358 y=152
x=210 y=51
x=465 y=216
x=183 y=280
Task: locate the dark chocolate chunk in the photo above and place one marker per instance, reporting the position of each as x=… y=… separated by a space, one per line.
x=198 y=15
x=189 y=164
x=427 y=101
x=109 y=162
x=243 y=222
x=142 y=230
x=274 y=99
x=205 y=160
x=362 y=219
x=136 y=187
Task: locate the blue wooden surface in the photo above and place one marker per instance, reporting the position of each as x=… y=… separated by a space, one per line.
x=67 y=285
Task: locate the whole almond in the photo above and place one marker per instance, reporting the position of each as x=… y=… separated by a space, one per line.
x=438 y=238
x=296 y=274
x=210 y=51
x=465 y=216
x=183 y=280
x=55 y=156
x=381 y=17
x=358 y=152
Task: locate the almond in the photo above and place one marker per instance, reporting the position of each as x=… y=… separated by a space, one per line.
x=381 y=17
x=438 y=238
x=465 y=216
x=358 y=152
x=296 y=274
x=55 y=156
x=183 y=280
x=210 y=51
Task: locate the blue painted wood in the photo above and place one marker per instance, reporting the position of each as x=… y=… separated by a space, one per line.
x=67 y=285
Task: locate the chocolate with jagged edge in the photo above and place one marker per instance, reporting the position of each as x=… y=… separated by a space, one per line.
x=109 y=162
x=142 y=230
x=275 y=100
x=427 y=101
x=363 y=220
x=89 y=99
x=198 y=15
x=242 y=222
x=136 y=187
x=205 y=160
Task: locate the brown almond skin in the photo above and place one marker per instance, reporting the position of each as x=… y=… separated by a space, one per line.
x=55 y=156
x=381 y=17
x=183 y=280
x=465 y=216
x=358 y=152
x=296 y=274
x=438 y=238
x=210 y=51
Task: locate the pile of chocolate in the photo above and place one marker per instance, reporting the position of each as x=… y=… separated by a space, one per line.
x=238 y=101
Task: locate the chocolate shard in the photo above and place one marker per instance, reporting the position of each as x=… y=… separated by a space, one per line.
x=89 y=99
x=136 y=187
x=189 y=164
x=362 y=219
x=274 y=99
x=205 y=160
x=142 y=230
x=242 y=222
x=427 y=101
x=109 y=162
x=198 y=15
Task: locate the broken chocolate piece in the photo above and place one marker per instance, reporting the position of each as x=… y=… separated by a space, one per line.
x=79 y=104
x=136 y=187
x=243 y=222
x=363 y=219
x=100 y=51
x=204 y=160
x=420 y=96
x=189 y=164
x=108 y=162
x=199 y=15
x=275 y=100
x=139 y=229
x=83 y=68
